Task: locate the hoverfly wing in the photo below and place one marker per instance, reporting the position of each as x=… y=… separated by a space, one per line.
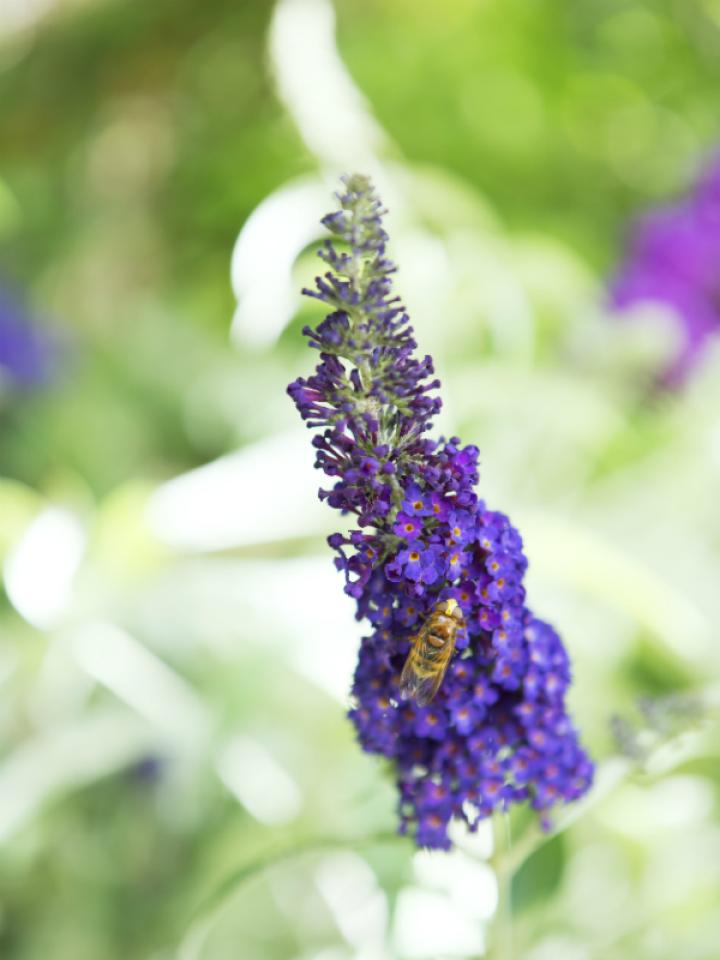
x=427 y=687
x=418 y=686
x=409 y=679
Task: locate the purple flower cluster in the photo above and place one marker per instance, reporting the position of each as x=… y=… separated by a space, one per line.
x=497 y=732
x=25 y=355
x=674 y=261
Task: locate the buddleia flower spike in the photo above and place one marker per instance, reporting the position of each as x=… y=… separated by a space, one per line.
x=496 y=731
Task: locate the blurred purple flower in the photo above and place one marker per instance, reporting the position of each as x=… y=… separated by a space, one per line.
x=25 y=354
x=497 y=732
x=674 y=261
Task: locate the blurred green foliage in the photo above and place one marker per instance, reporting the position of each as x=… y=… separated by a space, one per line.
x=173 y=715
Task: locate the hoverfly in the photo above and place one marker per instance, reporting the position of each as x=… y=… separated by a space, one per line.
x=430 y=653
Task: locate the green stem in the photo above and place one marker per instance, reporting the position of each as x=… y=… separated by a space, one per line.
x=500 y=932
